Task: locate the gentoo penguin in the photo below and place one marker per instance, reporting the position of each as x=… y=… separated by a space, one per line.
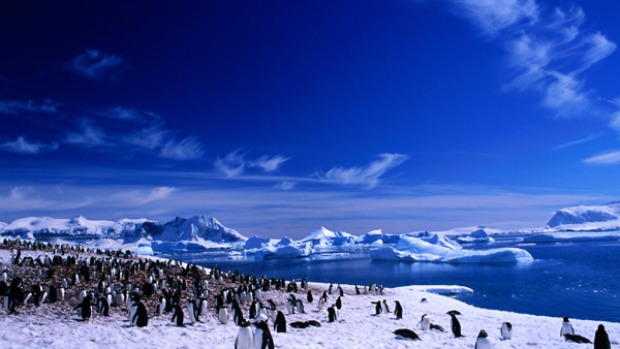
x=86 y=310
x=601 y=339
x=191 y=311
x=331 y=314
x=576 y=338
x=177 y=315
x=262 y=336
x=310 y=298
x=321 y=303
x=60 y=294
x=279 y=325
x=299 y=305
x=377 y=307
x=425 y=323
x=223 y=315
x=506 y=331
x=482 y=342
x=338 y=303
x=407 y=333
x=386 y=307
x=456 y=325
x=245 y=337
x=398 y=311
x=567 y=328
x=141 y=317
x=161 y=306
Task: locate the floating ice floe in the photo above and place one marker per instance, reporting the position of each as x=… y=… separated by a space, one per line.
x=284 y=249
x=478 y=236
x=435 y=248
x=571 y=237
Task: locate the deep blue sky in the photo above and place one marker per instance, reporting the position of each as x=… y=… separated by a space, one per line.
x=277 y=117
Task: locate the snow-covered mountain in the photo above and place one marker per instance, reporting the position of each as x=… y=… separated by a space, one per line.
x=602 y=217
x=324 y=237
x=125 y=231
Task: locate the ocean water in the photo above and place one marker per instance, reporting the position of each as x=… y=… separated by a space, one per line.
x=578 y=280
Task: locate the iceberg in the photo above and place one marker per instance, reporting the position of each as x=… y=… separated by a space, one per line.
x=288 y=249
x=324 y=237
x=436 y=248
x=478 y=236
x=546 y=238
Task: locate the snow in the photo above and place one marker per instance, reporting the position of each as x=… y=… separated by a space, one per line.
x=478 y=236
x=324 y=237
x=572 y=237
x=256 y=242
x=55 y=325
x=585 y=214
x=371 y=237
x=436 y=248
x=283 y=251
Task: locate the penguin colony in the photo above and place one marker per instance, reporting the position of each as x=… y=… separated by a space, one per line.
x=92 y=284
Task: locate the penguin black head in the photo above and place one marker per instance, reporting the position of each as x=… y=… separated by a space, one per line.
x=483 y=334
x=453 y=312
x=601 y=327
x=565 y=318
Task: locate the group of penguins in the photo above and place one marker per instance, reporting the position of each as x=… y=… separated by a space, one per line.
x=115 y=279
x=601 y=338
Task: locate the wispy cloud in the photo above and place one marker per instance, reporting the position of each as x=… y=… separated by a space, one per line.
x=129 y=114
x=607 y=158
x=33 y=106
x=23 y=146
x=286 y=185
x=157 y=193
x=96 y=65
x=88 y=136
x=182 y=149
x=548 y=51
x=367 y=176
x=235 y=163
x=577 y=141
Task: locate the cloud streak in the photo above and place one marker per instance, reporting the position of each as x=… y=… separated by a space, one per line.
x=31 y=106
x=96 y=65
x=367 y=176
x=235 y=163
x=607 y=158
x=23 y=146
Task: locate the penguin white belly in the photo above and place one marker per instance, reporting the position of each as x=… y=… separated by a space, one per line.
x=506 y=332
x=482 y=343
x=223 y=316
x=425 y=324
x=567 y=328
x=245 y=338
x=190 y=312
x=258 y=339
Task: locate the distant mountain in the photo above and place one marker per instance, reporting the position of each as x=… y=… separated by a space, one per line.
x=126 y=230
x=585 y=214
x=326 y=237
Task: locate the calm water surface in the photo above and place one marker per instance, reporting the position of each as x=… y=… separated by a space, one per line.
x=576 y=280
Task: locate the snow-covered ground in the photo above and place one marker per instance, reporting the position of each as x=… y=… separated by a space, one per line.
x=56 y=326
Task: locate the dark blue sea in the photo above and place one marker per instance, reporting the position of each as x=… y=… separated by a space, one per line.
x=578 y=280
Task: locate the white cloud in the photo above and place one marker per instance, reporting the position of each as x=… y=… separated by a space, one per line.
x=496 y=15
x=131 y=115
x=188 y=148
x=607 y=158
x=286 y=185
x=269 y=164
x=95 y=64
x=22 y=146
x=89 y=136
x=15 y=107
x=615 y=122
x=235 y=163
x=368 y=175
x=157 y=193
x=578 y=141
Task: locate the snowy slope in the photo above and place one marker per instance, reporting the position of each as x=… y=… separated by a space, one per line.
x=585 y=215
x=324 y=237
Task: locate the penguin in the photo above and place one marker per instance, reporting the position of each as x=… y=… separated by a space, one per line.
x=141 y=317
x=161 y=306
x=331 y=314
x=262 y=336
x=60 y=294
x=85 y=307
x=506 y=331
x=309 y=297
x=299 y=305
x=456 y=325
x=425 y=323
x=385 y=306
x=177 y=314
x=290 y=305
x=482 y=342
x=601 y=339
x=279 y=325
x=245 y=337
x=321 y=303
x=567 y=328
x=223 y=315
x=191 y=310
x=377 y=307
x=576 y=338
x=437 y=327
x=407 y=333
x=338 y=303
x=398 y=311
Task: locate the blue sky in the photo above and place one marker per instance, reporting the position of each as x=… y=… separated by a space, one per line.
x=277 y=117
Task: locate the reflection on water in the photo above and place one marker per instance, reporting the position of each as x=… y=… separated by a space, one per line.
x=575 y=280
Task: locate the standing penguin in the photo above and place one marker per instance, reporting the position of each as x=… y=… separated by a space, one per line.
x=86 y=310
x=177 y=315
x=425 y=323
x=191 y=310
x=310 y=298
x=223 y=315
x=398 y=311
x=331 y=314
x=377 y=307
x=338 y=303
x=161 y=306
x=506 y=331
x=279 y=325
x=386 y=307
x=141 y=317
x=601 y=339
x=245 y=337
x=456 y=325
x=482 y=342
x=567 y=328
x=262 y=336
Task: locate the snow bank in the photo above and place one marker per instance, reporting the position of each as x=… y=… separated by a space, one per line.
x=571 y=237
